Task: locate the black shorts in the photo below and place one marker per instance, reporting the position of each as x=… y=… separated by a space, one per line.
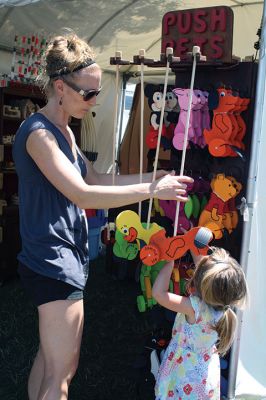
x=42 y=289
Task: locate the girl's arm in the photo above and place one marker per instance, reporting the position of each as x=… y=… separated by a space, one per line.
x=174 y=302
x=196 y=258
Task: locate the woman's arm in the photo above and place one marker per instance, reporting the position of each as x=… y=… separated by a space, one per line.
x=95 y=178
x=174 y=302
x=131 y=179
x=43 y=148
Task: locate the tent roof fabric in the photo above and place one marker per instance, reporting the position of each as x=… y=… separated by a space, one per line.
x=118 y=25
x=128 y=26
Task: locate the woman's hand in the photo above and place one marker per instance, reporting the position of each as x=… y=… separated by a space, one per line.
x=159 y=174
x=162 y=172
x=170 y=187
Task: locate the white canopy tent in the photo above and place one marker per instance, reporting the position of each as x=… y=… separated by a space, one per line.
x=131 y=25
x=110 y=26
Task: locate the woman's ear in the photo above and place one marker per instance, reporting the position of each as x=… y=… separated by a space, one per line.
x=59 y=87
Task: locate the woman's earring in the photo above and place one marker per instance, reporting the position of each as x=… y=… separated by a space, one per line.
x=61 y=101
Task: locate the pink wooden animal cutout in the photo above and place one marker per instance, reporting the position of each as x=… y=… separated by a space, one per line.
x=179 y=132
x=201 y=117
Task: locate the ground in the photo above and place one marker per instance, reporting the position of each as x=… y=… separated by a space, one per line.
x=112 y=348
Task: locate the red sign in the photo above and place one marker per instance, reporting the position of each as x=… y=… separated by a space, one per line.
x=209 y=28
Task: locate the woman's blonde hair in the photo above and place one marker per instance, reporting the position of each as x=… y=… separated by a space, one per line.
x=64 y=54
x=220 y=282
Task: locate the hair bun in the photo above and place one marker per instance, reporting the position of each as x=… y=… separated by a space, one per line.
x=70 y=45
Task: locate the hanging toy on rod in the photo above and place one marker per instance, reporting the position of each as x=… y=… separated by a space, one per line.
x=196 y=239
x=128 y=223
x=158 y=247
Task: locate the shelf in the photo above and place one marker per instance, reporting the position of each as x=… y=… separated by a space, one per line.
x=8 y=171
x=17 y=89
x=7 y=118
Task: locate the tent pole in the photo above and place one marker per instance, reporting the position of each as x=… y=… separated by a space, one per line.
x=260 y=102
x=122 y=105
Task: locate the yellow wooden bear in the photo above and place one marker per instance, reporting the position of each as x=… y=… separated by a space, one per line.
x=213 y=215
x=231 y=220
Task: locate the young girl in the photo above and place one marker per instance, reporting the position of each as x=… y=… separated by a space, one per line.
x=190 y=368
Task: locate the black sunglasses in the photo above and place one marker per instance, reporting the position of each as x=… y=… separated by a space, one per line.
x=86 y=94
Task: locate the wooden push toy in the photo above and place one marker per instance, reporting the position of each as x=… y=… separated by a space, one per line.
x=162 y=248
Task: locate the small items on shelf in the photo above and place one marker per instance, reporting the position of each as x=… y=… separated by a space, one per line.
x=10 y=111
x=8 y=139
x=3 y=204
x=14 y=199
x=10 y=165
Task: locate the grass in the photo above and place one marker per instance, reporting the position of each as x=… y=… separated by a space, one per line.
x=113 y=339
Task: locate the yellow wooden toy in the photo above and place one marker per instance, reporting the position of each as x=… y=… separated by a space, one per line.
x=129 y=224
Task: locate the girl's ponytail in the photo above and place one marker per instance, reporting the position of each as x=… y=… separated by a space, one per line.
x=226 y=328
x=220 y=282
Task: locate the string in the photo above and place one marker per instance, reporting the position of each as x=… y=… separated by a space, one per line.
x=195 y=50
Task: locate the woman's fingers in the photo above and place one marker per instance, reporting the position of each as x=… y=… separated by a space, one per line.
x=186 y=179
x=181 y=198
x=172 y=187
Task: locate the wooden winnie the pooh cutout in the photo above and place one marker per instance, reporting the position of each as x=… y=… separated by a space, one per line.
x=231 y=213
x=214 y=215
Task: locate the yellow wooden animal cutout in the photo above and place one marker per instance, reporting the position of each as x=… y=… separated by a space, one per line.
x=129 y=224
x=213 y=215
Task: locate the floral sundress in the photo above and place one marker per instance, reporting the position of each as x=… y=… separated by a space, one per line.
x=190 y=368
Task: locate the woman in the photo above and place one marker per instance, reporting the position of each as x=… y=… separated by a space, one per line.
x=56 y=182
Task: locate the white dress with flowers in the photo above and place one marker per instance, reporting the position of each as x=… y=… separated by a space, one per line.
x=190 y=368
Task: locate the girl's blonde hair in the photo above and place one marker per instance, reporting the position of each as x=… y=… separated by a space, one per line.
x=64 y=53
x=220 y=282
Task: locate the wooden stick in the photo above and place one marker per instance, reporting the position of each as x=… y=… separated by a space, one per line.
x=141 y=56
x=169 y=51
x=195 y=52
x=118 y=55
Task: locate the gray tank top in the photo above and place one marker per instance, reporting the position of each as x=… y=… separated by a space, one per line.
x=53 y=230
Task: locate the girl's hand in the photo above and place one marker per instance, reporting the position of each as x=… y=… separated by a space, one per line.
x=170 y=187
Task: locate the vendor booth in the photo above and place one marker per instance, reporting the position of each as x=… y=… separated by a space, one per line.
x=227 y=143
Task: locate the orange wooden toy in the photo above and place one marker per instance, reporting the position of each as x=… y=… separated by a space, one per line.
x=165 y=248
x=218 y=138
